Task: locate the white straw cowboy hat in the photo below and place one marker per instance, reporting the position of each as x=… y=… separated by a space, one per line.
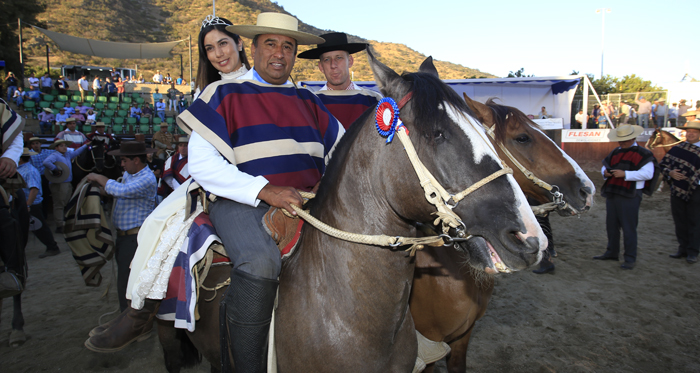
x=59 y=142
x=183 y=140
x=278 y=24
x=26 y=152
x=65 y=172
x=625 y=132
x=48 y=110
x=39 y=139
x=693 y=124
x=98 y=124
x=68 y=120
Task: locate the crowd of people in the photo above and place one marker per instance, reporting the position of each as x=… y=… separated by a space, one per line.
x=644 y=113
x=242 y=183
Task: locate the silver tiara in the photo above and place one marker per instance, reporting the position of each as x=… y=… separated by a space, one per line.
x=213 y=21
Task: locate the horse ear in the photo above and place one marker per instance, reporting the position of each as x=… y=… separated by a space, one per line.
x=385 y=77
x=428 y=67
x=470 y=103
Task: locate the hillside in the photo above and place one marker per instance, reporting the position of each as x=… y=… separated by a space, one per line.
x=168 y=20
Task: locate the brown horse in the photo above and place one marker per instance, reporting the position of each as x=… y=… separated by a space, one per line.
x=343 y=306
x=449 y=297
x=661 y=142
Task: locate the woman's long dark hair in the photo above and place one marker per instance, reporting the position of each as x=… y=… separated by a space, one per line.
x=206 y=73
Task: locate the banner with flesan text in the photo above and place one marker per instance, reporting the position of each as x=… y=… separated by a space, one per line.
x=601 y=135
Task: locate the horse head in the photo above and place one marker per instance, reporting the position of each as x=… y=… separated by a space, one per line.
x=97 y=150
x=554 y=176
x=453 y=147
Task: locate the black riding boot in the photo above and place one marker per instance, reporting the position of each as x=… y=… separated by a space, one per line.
x=248 y=308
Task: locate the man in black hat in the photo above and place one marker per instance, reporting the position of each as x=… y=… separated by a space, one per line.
x=345 y=100
x=134 y=198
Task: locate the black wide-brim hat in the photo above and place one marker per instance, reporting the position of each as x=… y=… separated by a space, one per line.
x=335 y=41
x=132 y=149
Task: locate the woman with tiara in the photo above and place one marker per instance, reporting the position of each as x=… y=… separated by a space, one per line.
x=221 y=56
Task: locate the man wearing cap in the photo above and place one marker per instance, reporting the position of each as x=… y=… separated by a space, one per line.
x=629 y=171
x=34 y=198
x=11 y=247
x=46 y=120
x=345 y=100
x=175 y=170
x=135 y=198
x=681 y=165
x=233 y=123
x=644 y=111
x=71 y=134
x=60 y=175
x=660 y=112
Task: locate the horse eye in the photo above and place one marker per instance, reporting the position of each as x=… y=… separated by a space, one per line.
x=438 y=135
x=522 y=139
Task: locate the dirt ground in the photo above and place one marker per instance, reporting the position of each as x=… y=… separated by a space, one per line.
x=589 y=316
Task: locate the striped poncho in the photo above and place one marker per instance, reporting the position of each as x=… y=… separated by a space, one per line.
x=347 y=106
x=684 y=157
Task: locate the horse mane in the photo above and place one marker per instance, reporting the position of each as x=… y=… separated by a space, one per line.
x=429 y=92
x=501 y=114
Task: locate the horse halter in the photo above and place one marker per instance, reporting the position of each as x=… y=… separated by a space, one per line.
x=435 y=193
x=557 y=203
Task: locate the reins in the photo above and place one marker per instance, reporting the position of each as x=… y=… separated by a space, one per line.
x=653 y=146
x=557 y=196
x=443 y=201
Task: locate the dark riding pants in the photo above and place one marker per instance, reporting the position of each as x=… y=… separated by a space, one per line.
x=686 y=217
x=124 y=254
x=44 y=233
x=623 y=213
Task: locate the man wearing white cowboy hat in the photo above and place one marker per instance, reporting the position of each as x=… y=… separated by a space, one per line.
x=60 y=177
x=681 y=166
x=76 y=137
x=33 y=192
x=175 y=171
x=247 y=179
x=346 y=100
x=46 y=120
x=629 y=171
x=99 y=133
x=134 y=199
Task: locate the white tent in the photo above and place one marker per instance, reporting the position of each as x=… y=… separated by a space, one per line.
x=527 y=94
x=108 y=49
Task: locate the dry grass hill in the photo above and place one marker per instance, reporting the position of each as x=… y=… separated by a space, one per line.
x=167 y=20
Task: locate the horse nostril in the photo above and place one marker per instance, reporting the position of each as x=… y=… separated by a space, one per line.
x=585 y=192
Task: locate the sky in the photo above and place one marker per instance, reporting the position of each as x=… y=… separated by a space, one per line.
x=657 y=41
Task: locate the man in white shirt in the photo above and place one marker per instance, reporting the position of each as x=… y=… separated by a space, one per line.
x=581 y=119
x=158 y=77
x=46 y=83
x=33 y=81
x=96 y=87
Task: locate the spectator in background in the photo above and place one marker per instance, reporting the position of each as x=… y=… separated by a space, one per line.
x=135 y=112
x=146 y=111
x=157 y=96
x=46 y=83
x=160 y=109
x=140 y=79
x=163 y=141
x=82 y=108
x=33 y=81
x=121 y=89
x=83 y=86
x=69 y=109
x=172 y=97
x=79 y=117
x=158 y=77
x=592 y=121
x=682 y=109
x=581 y=119
x=623 y=113
x=543 y=113
x=46 y=120
x=90 y=117
x=96 y=87
x=660 y=113
x=61 y=85
x=179 y=80
x=168 y=79
x=11 y=83
x=644 y=111
x=602 y=120
x=672 y=115
x=61 y=117
x=110 y=88
x=34 y=94
x=115 y=74
x=19 y=96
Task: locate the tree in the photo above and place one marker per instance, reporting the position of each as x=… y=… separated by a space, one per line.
x=606 y=84
x=518 y=74
x=634 y=83
x=26 y=10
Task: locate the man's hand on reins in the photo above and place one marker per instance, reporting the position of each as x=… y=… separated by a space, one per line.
x=281 y=197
